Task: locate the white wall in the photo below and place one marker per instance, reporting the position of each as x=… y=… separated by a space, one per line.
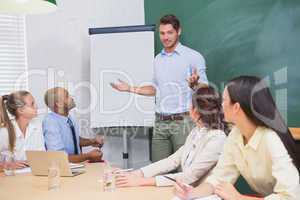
x=58 y=44
x=58 y=47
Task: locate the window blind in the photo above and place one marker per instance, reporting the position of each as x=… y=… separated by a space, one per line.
x=13 y=58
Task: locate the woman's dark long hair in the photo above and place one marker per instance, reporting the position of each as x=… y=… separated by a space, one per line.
x=256 y=101
x=208 y=103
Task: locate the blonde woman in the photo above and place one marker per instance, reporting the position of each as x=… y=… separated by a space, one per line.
x=23 y=131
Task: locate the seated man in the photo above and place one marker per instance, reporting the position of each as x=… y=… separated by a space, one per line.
x=61 y=131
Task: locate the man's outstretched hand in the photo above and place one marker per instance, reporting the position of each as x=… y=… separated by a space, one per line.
x=121 y=86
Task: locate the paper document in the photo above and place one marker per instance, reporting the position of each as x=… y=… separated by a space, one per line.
x=211 y=197
x=76 y=166
x=23 y=170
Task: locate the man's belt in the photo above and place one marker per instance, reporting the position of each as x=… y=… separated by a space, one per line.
x=172 y=117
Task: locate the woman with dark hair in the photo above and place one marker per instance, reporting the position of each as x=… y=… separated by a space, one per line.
x=259 y=147
x=21 y=132
x=197 y=156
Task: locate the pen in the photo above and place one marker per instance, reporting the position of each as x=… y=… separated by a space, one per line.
x=172 y=179
x=190 y=71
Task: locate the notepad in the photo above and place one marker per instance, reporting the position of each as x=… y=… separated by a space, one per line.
x=76 y=165
x=23 y=170
x=211 y=197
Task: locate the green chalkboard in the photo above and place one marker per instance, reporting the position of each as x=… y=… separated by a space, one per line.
x=236 y=37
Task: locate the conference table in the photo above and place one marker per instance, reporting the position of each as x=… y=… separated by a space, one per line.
x=85 y=186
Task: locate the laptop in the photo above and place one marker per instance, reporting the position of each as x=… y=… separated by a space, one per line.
x=39 y=162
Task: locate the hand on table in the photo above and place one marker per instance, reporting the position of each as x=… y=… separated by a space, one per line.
x=95 y=155
x=227 y=191
x=129 y=179
x=182 y=191
x=19 y=164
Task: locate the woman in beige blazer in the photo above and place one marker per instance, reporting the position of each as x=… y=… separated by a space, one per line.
x=22 y=132
x=197 y=156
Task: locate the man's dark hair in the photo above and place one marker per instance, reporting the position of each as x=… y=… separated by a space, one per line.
x=170 y=19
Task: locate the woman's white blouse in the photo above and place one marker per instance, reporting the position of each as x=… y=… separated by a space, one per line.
x=33 y=139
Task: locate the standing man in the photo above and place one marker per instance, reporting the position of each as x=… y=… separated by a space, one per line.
x=176 y=68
